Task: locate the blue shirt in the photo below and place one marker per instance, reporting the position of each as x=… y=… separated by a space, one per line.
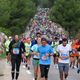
x=35 y=49
x=43 y=50
x=49 y=42
x=33 y=42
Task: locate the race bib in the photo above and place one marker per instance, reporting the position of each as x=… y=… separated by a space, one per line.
x=44 y=58
x=64 y=55
x=16 y=51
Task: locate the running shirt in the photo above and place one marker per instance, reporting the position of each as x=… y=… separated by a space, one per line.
x=78 y=49
x=43 y=50
x=35 y=49
x=16 y=48
x=33 y=42
x=27 y=48
x=54 y=45
x=64 y=51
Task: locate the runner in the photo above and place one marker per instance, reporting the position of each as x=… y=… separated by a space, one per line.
x=63 y=63
x=1 y=65
x=34 y=50
x=73 y=55
x=55 y=43
x=7 y=47
x=27 y=54
x=45 y=52
x=16 y=50
x=78 y=49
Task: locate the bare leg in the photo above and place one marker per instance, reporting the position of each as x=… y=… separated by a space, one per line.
x=38 y=72
x=65 y=75
x=28 y=62
x=61 y=76
x=35 y=73
x=46 y=79
x=42 y=79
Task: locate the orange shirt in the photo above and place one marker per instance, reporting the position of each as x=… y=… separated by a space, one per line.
x=74 y=47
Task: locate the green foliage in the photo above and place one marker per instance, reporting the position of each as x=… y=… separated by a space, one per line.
x=51 y=2
x=6 y=31
x=67 y=14
x=4 y=12
x=44 y=3
x=16 y=14
x=36 y=2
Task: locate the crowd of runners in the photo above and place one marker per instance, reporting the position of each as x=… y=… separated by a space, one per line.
x=43 y=43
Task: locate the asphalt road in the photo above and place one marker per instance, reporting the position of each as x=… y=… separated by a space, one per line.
x=26 y=75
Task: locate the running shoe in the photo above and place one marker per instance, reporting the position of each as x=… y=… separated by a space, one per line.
x=28 y=72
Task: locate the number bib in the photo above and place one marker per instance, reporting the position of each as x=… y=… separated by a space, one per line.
x=64 y=55
x=16 y=51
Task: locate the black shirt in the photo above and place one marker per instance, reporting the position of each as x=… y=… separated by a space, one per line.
x=19 y=46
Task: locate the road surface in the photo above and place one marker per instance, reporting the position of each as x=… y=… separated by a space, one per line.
x=25 y=75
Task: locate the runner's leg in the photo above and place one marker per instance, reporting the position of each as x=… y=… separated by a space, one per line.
x=42 y=70
x=18 y=62
x=38 y=78
x=46 y=71
x=13 y=61
x=28 y=62
x=66 y=70
x=61 y=68
x=36 y=72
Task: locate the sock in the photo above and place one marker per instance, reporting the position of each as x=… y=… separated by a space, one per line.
x=17 y=74
x=13 y=73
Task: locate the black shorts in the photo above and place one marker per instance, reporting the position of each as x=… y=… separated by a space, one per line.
x=7 y=53
x=44 y=69
x=54 y=55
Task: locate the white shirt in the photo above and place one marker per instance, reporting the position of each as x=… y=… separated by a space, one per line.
x=64 y=51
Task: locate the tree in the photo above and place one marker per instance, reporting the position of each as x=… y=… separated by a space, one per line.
x=4 y=12
x=67 y=14
x=44 y=3
x=6 y=31
x=16 y=14
x=36 y=2
x=52 y=2
x=21 y=13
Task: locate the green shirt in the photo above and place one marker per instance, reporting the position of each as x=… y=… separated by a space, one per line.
x=27 y=48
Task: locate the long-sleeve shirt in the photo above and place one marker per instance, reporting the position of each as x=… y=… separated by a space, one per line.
x=16 y=49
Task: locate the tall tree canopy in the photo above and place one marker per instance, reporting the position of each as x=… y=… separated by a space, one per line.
x=67 y=14
x=16 y=14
